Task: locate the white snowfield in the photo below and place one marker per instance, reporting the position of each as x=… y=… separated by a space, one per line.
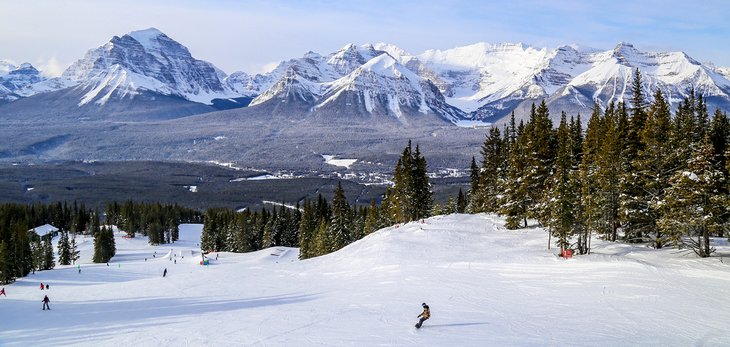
x=486 y=286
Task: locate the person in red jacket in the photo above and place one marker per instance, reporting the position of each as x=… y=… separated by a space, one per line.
x=426 y=314
x=45 y=303
x=42 y=286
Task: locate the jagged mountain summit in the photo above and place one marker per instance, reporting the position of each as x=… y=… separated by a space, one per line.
x=146 y=71
x=146 y=60
x=354 y=83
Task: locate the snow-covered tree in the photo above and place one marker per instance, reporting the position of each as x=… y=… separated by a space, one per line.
x=692 y=207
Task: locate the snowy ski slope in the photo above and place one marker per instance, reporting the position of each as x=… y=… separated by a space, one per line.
x=486 y=286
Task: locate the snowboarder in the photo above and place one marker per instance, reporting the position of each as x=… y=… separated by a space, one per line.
x=45 y=303
x=47 y=286
x=42 y=286
x=426 y=314
x=2 y=292
x=164 y=273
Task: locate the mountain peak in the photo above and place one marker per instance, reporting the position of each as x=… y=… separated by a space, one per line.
x=148 y=38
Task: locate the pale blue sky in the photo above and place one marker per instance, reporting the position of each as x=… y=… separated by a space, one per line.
x=253 y=35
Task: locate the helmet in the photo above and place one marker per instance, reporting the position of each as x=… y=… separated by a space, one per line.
x=424 y=304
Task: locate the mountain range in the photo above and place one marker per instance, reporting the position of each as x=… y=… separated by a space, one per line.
x=480 y=82
x=143 y=96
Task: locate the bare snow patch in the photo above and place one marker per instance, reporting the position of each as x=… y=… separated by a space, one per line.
x=332 y=160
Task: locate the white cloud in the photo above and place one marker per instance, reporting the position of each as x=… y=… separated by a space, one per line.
x=268 y=67
x=50 y=67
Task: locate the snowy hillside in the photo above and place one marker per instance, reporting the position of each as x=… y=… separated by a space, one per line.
x=485 y=286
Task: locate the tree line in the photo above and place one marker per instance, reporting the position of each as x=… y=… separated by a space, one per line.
x=636 y=174
x=319 y=227
x=23 y=251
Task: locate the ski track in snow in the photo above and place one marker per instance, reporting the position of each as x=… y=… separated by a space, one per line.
x=486 y=286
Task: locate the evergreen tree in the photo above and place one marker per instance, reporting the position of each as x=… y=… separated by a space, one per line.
x=410 y=198
x=339 y=230
x=514 y=199
x=21 y=251
x=73 y=250
x=307 y=231
x=474 y=191
x=693 y=207
x=561 y=199
x=460 y=202
x=64 y=250
x=653 y=168
x=492 y=166
x=48 y=260
x=372 y=219
x=7 y=273
x=720 y=136
x=540 y=149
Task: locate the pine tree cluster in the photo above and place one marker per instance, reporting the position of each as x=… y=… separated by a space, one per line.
x=158 y=222
x=22 y=251
x=636 y=174
x=318 y=227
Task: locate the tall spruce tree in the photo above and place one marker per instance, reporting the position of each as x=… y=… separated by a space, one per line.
x=693 y=207
x=492 y=164
x=540 y=149
x=7 y=273
x=652 y=170
x=410 y=198
x=561 y=195
x=64 y=250
x=49 y=261
x=514 y=199
x=73 y=249
x=340 y=227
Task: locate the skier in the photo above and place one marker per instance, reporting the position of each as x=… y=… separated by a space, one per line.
x=426 y=314
x=175 y=261
x=2 y=292
x=47 y=286
x=45 y=303
x=42 y=286
x=164 y=273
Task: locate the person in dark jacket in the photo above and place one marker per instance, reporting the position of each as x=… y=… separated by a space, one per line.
x=45 y=303
x=2 y=292
x=426 y=314
x=164 y=273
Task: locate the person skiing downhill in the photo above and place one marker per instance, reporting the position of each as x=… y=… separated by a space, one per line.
x=45 y=303
x=164 y=273
x=2 y=292
x=426 y=314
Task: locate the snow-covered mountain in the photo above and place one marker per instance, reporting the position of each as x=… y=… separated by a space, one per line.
x=491 y=80
x=146 y=60
x=384 y=86
x=611 y=72
x=17 y=81
x=483 y=82
x=356 y=81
